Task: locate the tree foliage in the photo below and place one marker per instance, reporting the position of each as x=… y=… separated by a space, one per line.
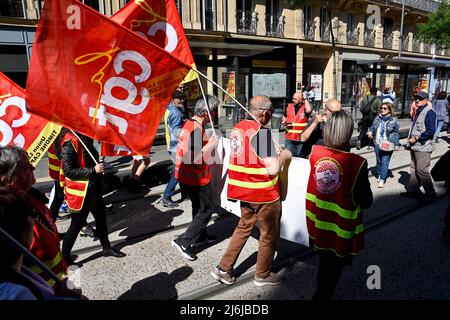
x=437 y=29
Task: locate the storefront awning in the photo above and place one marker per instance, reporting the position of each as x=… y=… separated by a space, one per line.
x=229 y=49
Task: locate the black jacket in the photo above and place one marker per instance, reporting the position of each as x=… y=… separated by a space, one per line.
x=72 y=169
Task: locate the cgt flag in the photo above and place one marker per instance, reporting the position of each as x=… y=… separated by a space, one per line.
x=99 y=78
x=158 y=21
x=21 y=128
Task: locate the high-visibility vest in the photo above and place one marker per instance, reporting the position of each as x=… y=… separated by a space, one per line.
x=296 y=123
x=75 y=190
x=45 y=243
x=248 y=179
x=186 y=172
x=333 y=218
x=54 y=163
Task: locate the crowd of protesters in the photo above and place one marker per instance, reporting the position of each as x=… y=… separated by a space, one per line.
x=252 y=179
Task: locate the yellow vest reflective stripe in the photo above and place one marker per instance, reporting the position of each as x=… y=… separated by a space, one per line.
x=237 y=168
x=53 y=156
x=76 y=191
x=52 y=167
x=334 y=228
x=253 y=185
x=346 y=214
x=50 y=264
x=166 y=127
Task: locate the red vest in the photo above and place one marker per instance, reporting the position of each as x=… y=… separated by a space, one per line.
x=248 y=179
x=296 y=123
x=193 y=174
x=75 y=190
x=334 y=220
x=53 y=163
x=45 y=244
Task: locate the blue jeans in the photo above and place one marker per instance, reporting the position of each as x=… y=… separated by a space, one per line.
x=438 y=129
x=170 y=188
x=383 y=159
x=295 y=147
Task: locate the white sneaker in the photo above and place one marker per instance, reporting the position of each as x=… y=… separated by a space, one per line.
x=381 y=184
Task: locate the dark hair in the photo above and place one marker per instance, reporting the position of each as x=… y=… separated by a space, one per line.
x=442 y=95
x=10 y=156
x=14 y=212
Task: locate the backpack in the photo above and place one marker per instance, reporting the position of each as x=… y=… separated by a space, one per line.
x=365 y=107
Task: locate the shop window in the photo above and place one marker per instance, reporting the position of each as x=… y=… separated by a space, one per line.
x=11 y=8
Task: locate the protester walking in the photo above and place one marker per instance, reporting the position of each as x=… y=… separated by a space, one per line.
x=253 y=179
x=440 y=106
x=194 y=153
x=338 y=189
x=173 y=123
x=420 y=142
x=295 y=118
x=82 y=179
x=385 y=131
x=370 y=107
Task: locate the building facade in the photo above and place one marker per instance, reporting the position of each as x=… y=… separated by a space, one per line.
x=255 y=47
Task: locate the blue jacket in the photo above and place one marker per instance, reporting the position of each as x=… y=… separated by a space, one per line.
x=173 y=123
x=392 y=129
x=440 y=106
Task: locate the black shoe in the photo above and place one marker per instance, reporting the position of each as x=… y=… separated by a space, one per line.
x=111 y=252
x=185 y=251
x=428 y=197
x=88 y=231
x=168 y=203
x=411 y=194
x=70 y=261
x=109 y=208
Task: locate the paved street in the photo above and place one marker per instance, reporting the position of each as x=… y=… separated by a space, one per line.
x=408 y=250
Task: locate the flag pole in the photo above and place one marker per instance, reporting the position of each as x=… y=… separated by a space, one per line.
x=87 y=149
x=207 y=107
x=237 y=102
x=27 y=254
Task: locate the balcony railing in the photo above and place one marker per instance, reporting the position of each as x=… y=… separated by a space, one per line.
x=405 y=43
x=427 y=48
x=387 y=41
x=416 y=45
x=246 y=21
x=325 y=33
x=275 y=26
x=310 y=31
x=369 y=38
x=425 y=5
x=353 y=37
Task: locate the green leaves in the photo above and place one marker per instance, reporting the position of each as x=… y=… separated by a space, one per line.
x=437 y=29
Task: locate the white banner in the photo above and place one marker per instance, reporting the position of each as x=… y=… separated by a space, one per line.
x=293 y=220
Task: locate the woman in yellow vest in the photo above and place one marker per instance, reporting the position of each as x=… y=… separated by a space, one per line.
x=338 y=189
x=82 y=179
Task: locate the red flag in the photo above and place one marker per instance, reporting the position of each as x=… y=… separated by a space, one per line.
x=113 y=150
x=99 y=78
x=20 y=127
x=158 y=21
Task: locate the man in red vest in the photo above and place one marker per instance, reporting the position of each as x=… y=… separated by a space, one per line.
x=253 y=179
x=295 y=119
x=194 y=152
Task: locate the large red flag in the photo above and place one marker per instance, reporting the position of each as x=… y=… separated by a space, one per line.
x=158 y=21
x=20 y=127
x=99 y=78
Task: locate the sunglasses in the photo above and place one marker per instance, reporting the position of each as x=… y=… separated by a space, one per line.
x=384 y=108
x=419 y=99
